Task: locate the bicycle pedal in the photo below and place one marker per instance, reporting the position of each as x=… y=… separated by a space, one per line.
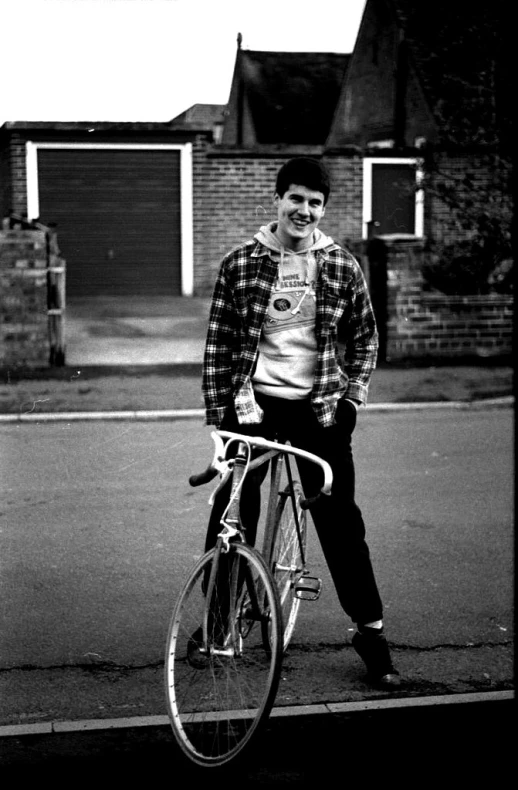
x=308 y=588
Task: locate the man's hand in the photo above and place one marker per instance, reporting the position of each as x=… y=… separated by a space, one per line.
x=346 y=414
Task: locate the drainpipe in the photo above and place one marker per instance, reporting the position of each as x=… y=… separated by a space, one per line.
x=241 y=93
x=401 y=89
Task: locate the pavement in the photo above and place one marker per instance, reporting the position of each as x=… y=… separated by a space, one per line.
x=125 y=337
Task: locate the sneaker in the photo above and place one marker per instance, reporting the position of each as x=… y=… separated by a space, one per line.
x=373 y=649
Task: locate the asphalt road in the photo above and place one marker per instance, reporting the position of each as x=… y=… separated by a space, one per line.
x=98 y=527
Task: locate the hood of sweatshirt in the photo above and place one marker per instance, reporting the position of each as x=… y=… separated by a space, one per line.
x=266 y=235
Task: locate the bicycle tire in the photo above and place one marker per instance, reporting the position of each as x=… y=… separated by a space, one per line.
x=288 y=553
x=217 y=702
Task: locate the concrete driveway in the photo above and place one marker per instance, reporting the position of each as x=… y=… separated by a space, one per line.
x=135 y=330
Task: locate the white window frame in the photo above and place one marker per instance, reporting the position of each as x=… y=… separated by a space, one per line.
x=186 y=191
x=368 y=164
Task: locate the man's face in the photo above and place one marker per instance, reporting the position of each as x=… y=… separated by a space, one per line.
x=299 y=211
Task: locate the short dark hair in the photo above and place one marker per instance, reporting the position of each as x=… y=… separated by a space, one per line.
x=307 y=172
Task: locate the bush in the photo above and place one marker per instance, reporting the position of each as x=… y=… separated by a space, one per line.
x=469 y=267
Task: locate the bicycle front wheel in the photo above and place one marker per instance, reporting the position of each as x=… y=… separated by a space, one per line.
x=220 y=679
x=288 y=553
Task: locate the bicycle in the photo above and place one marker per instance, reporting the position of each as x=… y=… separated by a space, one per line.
x=236 y=612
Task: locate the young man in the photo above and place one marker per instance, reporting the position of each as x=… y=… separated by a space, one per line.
x=291 y=345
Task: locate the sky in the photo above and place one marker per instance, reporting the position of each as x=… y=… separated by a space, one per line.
x=148 y=60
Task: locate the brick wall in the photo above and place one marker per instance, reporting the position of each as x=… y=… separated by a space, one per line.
x=5 y=178
x=343 y=218
x=18 y=175
x=30 y=333
x=13 y=176
x=232 y=198
x=423 y=324
x=457 y=326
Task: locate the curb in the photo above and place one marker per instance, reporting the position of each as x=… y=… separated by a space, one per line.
x=344 y=708
x=347 y=708
x=189 y=414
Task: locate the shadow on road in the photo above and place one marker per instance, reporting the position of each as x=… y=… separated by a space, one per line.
x=450 y=744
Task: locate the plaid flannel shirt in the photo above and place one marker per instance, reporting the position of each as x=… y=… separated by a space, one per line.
x=347 y=339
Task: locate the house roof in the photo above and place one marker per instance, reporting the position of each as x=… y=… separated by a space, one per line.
x=88 y=126
x=202 y=115
x=291 y=95
x=459 y=55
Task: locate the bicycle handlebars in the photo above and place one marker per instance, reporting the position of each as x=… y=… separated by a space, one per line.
x=218 y=463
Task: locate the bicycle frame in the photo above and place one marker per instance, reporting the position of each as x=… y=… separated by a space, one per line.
x=243 y=463
x=239 y=466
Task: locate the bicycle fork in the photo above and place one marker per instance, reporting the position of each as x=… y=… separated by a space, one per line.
x=231 y=592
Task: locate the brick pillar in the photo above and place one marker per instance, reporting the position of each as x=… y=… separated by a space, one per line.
x=24 y=298
x=404 y=288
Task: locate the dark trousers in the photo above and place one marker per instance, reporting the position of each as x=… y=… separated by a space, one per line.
x=337 y=518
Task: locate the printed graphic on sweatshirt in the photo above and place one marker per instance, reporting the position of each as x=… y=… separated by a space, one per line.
x=292 y=304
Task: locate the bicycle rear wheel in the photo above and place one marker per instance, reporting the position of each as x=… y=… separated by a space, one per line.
x=220 y=690
x=288 y=553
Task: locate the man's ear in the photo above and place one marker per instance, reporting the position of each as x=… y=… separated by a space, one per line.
x=276 y=199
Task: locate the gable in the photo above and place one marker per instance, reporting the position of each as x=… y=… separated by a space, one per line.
x=283 y=98
x=366 y=107
x=424 y=70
